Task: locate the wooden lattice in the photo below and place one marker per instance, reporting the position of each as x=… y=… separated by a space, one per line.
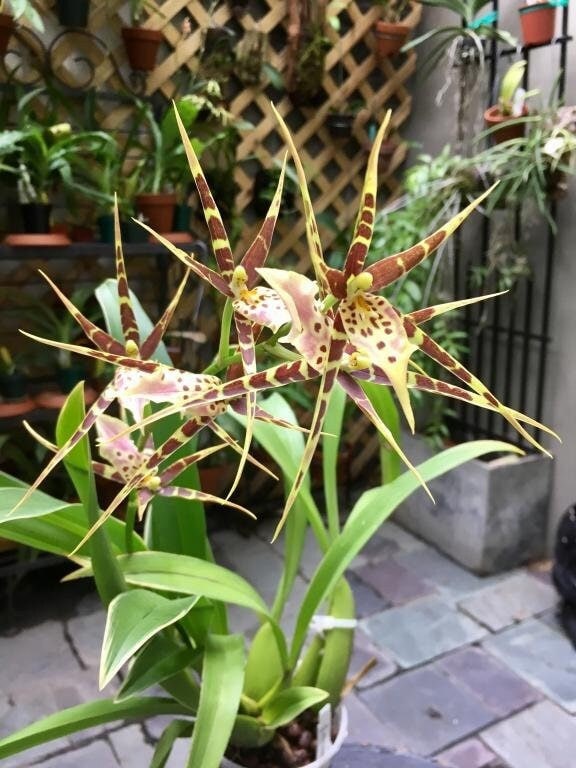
x=334 y=167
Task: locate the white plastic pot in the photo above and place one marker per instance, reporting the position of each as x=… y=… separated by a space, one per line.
x=324 y=760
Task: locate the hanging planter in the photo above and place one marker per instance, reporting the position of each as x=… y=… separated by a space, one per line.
x=389 y=38
x=6 y=30
x=538 y=21
x=73 y=13
x=141 y=47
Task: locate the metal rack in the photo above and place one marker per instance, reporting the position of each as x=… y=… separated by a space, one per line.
x=509 y=338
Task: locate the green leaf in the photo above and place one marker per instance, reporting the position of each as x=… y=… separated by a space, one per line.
x=61 y=531
x=133 y=618
x=368 y=514
x=77 y=461
x=264 y=666
x=330 y=450
x=189 y=576
x=385 y=406
x=38 y=504
x=160 y=659
x=175 y=730
x=222 y=679
x=291 y=703
x=84 y=716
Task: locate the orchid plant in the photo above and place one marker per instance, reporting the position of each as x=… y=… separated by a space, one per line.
x=166 y=598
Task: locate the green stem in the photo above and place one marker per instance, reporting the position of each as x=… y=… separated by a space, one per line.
x=224 y=344
x=107 y=574
x=130 y=520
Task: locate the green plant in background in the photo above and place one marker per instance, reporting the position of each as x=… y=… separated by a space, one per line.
x=393 y=11
x=466 y=33
x=166 y=598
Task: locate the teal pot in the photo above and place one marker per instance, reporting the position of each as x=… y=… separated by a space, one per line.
x=36 y=218
x=182 y=216
x=67 y=378
x=73 y=13
x=133 y=232
x=13 y=386
x=105 y=224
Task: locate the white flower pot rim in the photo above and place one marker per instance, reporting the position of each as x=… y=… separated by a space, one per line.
x=321 y=762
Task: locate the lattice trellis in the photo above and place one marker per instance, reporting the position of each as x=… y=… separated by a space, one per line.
x=334 y=167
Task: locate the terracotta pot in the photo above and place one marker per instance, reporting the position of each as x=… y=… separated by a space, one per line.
x=158 y=210
x=538 y=22
x=36 y=217
x=6 y=30
x=389 y=38
x=141 y=47
x=509 y=129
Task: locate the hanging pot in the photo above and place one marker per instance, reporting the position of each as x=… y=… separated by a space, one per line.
x=73 y=13
x=324 y=760
x=389 y=38
x=538 y=22
x=142 y=47
x=509 y=129
x=6 y=30
x=157 y=210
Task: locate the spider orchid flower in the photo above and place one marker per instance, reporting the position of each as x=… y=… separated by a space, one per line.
x=135 y=370
x=127 y=462
x=253 y=305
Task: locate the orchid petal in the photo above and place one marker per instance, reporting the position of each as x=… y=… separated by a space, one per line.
x=422 y=315
x=127 y=317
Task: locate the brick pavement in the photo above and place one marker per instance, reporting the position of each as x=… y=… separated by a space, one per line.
x=472 y=672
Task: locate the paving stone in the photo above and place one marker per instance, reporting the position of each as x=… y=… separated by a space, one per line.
x=542 y=736
x=130 y=747
x=510 y=601
x=426 y=709
x=87 y=632
x=391 y=539
x=540 y=655
x=449 y=579
x=363 y=725
x=495 y=685
x=98 y=754
x=36 y=653
x=256 y=561
x=421 y=630
x=363 y=652
x=354 y=755
x=367 y=600
x=396 y=584
x=471 y=753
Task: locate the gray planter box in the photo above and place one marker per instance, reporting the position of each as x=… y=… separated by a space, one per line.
x=489 y=515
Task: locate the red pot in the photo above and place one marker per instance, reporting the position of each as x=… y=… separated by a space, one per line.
x=509 y=129
x=6 y=29
x=141 y=47
x=538 y=23
x=389 y=38
x=157 y=210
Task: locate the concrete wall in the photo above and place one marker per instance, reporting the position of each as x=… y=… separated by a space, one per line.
x=432 y=127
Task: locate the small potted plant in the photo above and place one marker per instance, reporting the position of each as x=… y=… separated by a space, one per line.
x=538 y=21
x=340 y=119
x=141 y=43
x=13 y=380
x=389 y=32
x=504 y=118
